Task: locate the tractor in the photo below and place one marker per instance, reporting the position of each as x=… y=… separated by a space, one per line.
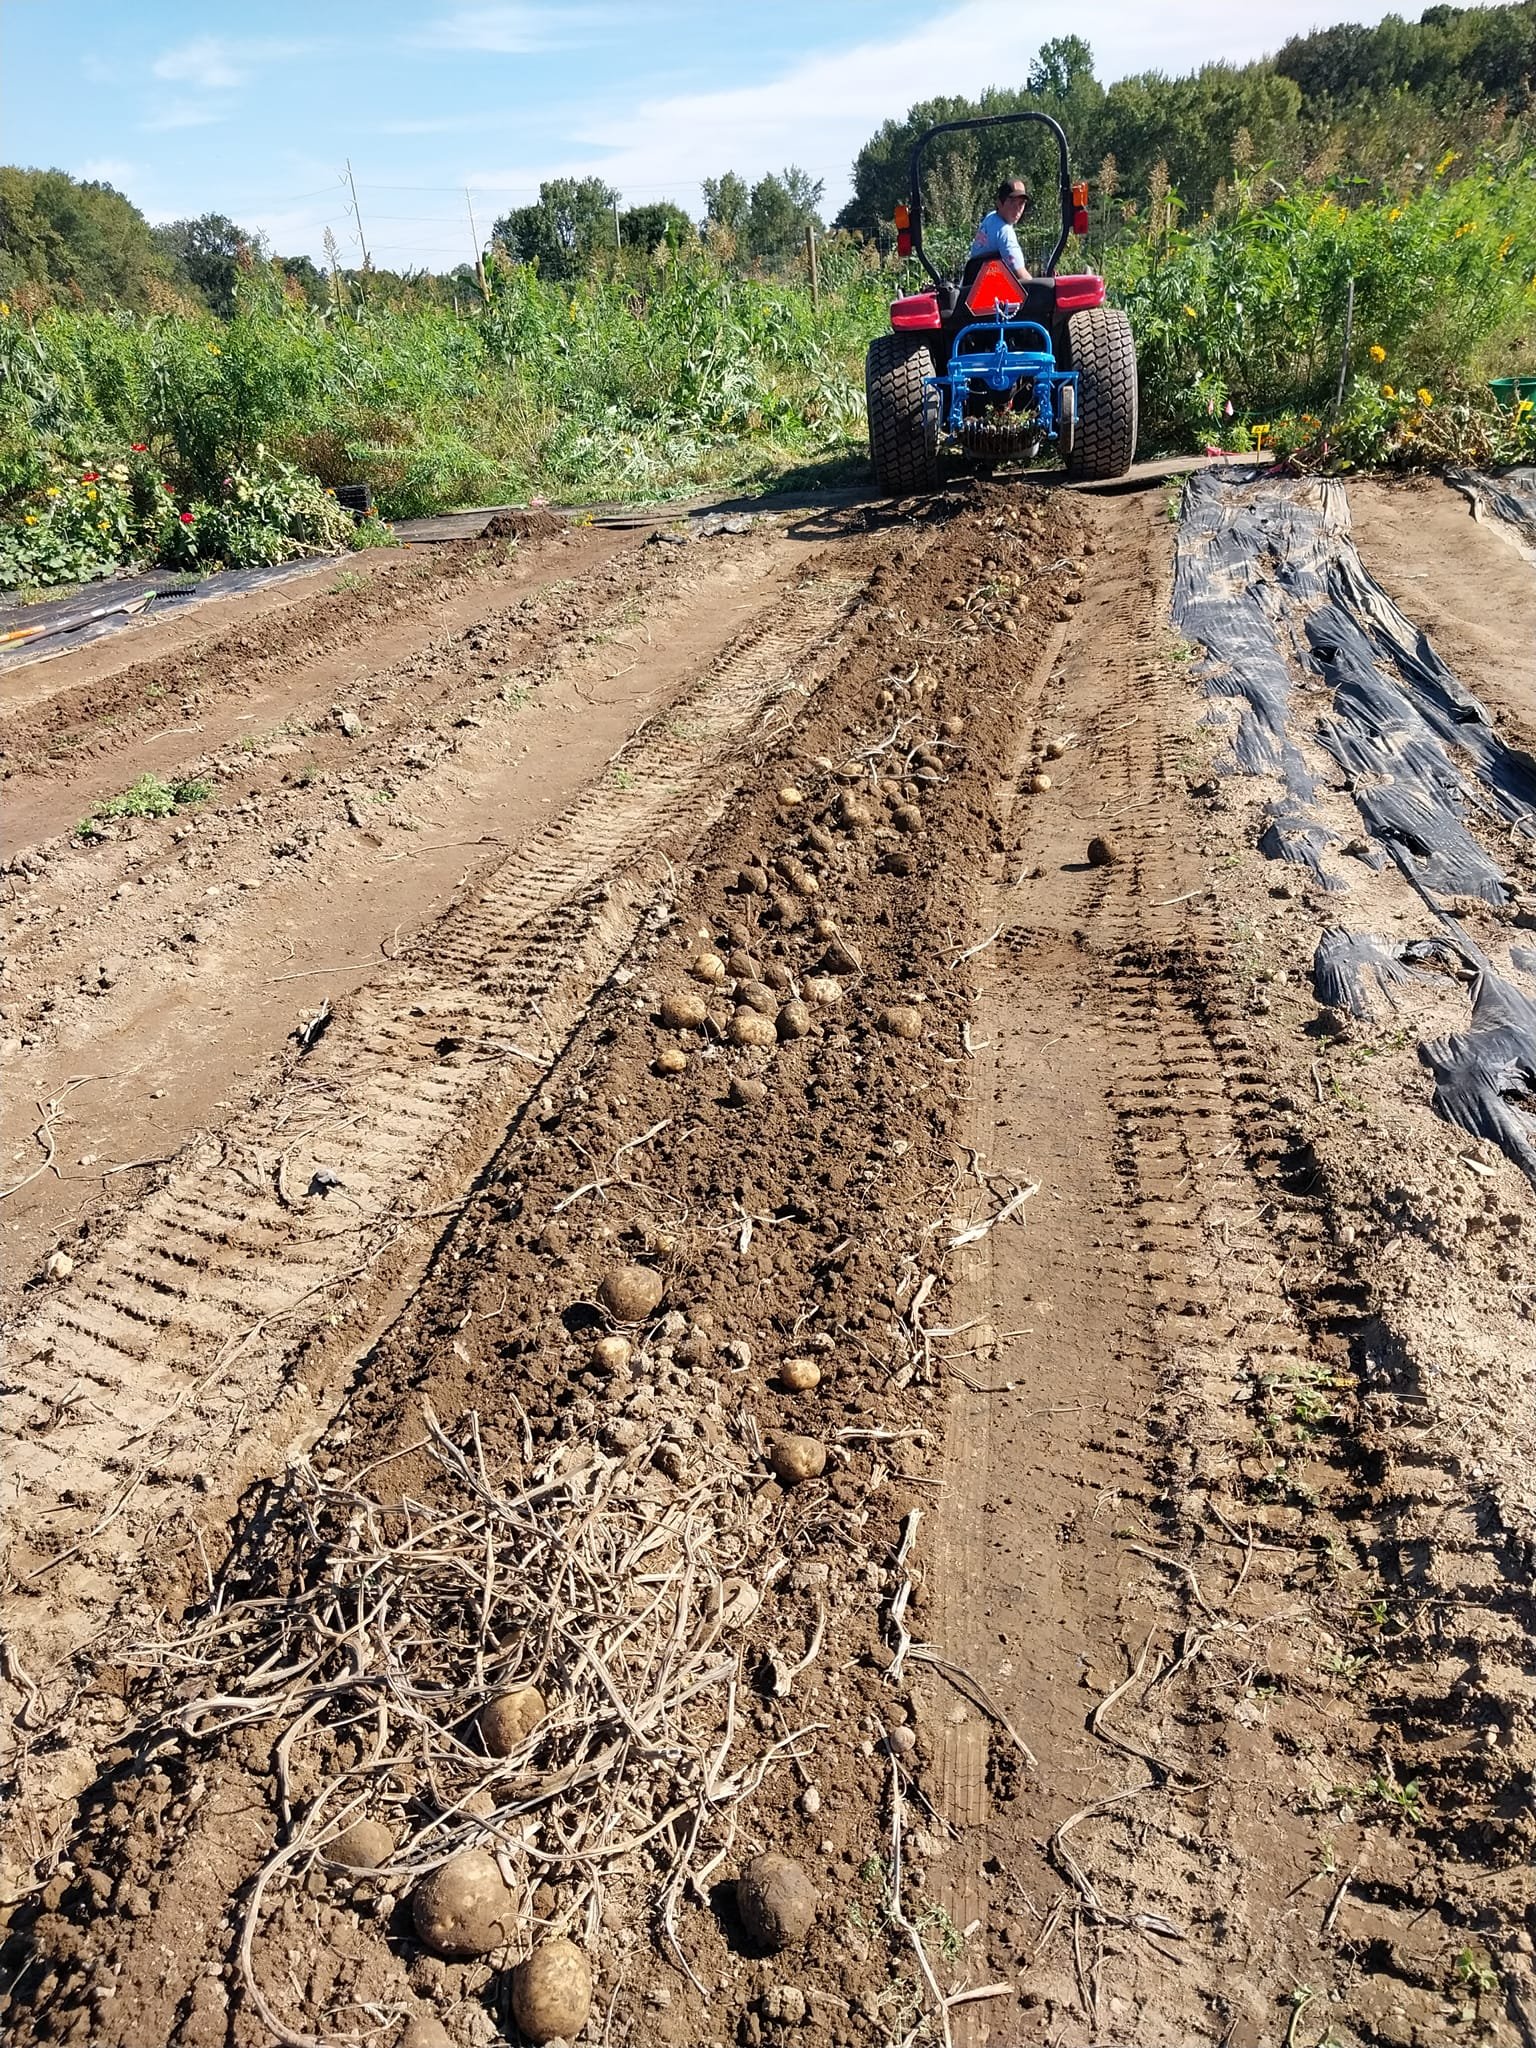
x=971 y=365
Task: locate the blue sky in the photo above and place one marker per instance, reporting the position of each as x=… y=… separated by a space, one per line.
x=252 y=110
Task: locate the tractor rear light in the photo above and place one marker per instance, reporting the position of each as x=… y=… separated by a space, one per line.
x=1080 y=208
x=902 y=216
x=904 y=242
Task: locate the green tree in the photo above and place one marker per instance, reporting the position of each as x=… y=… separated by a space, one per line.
x=780 y=211
x=67 y=239
x=727 y=203
x=570 y=223
x=647 y=227
x=206 y=255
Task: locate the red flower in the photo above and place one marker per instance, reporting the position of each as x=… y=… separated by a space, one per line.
x=169 y=490
x=141 y=447
x=89 y=476
x=186 y=518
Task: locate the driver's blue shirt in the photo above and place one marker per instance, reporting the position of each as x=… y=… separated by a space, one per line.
x=996 y=238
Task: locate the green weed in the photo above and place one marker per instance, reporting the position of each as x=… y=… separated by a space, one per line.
x=148 y=798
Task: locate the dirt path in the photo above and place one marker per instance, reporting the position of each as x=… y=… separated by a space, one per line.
x=1145 y=1664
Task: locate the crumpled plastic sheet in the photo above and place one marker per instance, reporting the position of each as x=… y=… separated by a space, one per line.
x=1306 y=644
x=1510 y=498
x=59 y=625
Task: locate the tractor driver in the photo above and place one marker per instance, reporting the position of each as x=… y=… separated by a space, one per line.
x=997 y=234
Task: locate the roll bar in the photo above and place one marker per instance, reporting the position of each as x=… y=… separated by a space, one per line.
x=914 y=177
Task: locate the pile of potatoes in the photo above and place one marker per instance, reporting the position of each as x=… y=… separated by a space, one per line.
x=732 y=987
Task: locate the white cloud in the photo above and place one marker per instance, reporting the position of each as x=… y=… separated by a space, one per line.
x=820 y=111
x=218 y=64
x=182 y=114
x=108 y=170
x=513 y=31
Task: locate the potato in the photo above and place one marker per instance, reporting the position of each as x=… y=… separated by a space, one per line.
x=752 y=881
x=776 y=1901
x=794 y=1021
x=630 y=1293
x=684 y=1009
x=707 y=967
x=464 y=1908
x=745 y=1091
x=365 y=1845
x=789 y=796
x=1039 y=784
x=1101 y=852
x=742 y=967
x=757 y=995
x=799 y=1375
x=671 y=1060
x=510 y=1718
x=842 y=956
x=821 y=988
x=852 y=815
x=425 y=2030
x=797 y=1458
x=797 y=875
x=820 y=839
x=1054 y=749
x=750 y=1027
x=907 y=818
x=552 y=1992
x=900 y=1020
x=610 y=1354
x=59 y=1267
x=952 y=728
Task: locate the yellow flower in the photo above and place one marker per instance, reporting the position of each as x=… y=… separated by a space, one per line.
x=1191 y=312
x=1423 y=396
x=91 y=494
x=53 y=490
x=1445 y=163
x=1378 y=354
x=1387 y=391
x=5 y=311
x=214 y=349
x=1505 y=246
x=102 y=524
x=1467 y=227
x=31 y=519
x=1396 y=213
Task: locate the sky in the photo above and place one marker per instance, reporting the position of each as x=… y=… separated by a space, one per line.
x=447 y=110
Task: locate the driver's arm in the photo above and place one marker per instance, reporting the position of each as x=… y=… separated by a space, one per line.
x=1012 y=253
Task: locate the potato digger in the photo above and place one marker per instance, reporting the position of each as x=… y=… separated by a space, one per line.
x=996 y=368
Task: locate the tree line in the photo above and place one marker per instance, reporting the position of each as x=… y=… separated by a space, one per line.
x=1347 y=107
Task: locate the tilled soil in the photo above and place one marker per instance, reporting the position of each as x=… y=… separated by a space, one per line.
x=1030 y=1494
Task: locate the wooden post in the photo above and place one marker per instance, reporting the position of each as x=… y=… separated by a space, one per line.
x=810 y=257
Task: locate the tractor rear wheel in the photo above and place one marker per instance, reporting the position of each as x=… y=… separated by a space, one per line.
x=1104 y=357
x=903 y=418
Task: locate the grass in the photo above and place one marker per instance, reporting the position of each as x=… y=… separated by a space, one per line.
x=148 y=798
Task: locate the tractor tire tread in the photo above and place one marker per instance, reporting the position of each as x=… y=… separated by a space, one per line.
x=1104 y=355
x=903 y=437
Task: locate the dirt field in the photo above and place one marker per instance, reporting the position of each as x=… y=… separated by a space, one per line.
x=1067 y=1479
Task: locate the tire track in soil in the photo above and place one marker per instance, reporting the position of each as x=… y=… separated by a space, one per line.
x=168 y=1362
x=1144 y=1280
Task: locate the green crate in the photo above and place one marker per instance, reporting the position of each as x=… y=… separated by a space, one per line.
x=1510 y=390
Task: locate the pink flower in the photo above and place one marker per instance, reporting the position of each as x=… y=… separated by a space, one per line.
x=140 y=447
x=1227 y=408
